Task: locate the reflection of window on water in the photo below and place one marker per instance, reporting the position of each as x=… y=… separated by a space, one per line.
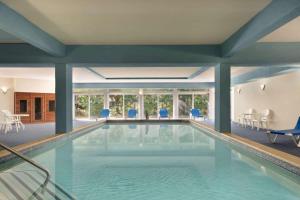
x=116 y=105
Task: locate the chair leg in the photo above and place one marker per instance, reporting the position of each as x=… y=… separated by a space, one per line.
x=272 y=137
x=296 y=140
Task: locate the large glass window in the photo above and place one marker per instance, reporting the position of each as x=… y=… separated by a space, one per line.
x=150 y=105
x=185 y=103
x=130 y=101
x=116 y=105
x=96 y=105
x=166 y=101
x=201 y=102
x=81 y=106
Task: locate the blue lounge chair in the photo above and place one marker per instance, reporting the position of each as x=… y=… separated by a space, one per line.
x=293 y=133
x=163 y=113
x=104 y=113
x=196 y=113
x=132 y=113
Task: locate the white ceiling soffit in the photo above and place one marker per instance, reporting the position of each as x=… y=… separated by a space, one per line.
x=145 y=72
x=83 y=75
x=289 y=32
x=236 y=71
x=28 y=73
x=139 y=21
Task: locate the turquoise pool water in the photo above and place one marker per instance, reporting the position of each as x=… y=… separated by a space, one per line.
x=162 y=162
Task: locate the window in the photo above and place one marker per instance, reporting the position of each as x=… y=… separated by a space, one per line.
x=150 y=105
x=51 y=107
x=166 y=101
x=116 y=105
x=185 y=103
x=81 y=106
x=96 y=105
x=201 y=102
x=23 y=106
x=130 y=101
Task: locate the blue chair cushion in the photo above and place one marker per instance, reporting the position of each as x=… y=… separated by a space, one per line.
x=196 y=112
x=295 y=131
x=104 y=113
x=132 y=113
x=163 y=112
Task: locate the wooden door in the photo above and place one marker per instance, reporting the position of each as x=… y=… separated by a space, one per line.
x=38 y=107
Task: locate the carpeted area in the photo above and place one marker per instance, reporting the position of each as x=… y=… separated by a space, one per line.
x=33 y=132
x=283 y=143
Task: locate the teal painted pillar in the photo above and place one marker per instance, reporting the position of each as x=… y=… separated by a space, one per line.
x=64 y=100
x=222 y=98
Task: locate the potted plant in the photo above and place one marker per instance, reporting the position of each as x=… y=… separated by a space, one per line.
x=147 y=115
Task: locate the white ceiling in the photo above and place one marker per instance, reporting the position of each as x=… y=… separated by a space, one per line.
x=83 y=75
x=289 y=32
x=139 y=21
x=144 y=72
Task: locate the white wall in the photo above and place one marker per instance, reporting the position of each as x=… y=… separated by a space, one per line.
x=34 y=85
x=7 y=100
x=22 y=85
x=281 y=95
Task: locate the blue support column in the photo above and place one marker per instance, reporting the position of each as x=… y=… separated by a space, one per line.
x=63 y=90
x=222 y=98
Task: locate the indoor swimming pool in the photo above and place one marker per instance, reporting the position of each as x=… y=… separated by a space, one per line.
x=155 y=161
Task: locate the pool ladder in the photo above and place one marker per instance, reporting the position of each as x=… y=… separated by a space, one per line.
x=26 y=184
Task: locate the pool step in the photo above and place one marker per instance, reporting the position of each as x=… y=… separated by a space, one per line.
x=22 y=185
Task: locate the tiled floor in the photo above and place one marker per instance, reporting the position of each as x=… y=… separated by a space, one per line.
x=283 y=143
x=33 y=132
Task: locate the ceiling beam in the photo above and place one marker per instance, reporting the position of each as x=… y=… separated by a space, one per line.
x=198 y=72
x=259 y=54
x=169 y=85
x=15 y=24
x=95 y=72
x=276 y=14
x=263 y=72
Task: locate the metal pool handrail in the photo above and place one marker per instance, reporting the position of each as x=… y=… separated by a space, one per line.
x=29 y=161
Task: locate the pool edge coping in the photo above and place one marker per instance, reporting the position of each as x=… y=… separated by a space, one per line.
x=28 y=147
x=279 y=158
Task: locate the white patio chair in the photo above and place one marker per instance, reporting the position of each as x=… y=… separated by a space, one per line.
x=241 y=119
x=249 y=116
x=263 y=119
x=7 y=122
x=10 y=119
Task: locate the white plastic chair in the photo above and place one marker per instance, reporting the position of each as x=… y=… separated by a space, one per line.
x=263 y=119
x=241 y=119
x=7 y=122
x=250 y=115
x=10 y=119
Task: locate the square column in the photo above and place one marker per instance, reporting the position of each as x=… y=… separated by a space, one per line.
x=64 y=98
x=222 y=98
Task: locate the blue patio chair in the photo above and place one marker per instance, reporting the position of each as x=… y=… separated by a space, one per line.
x=132 y=113
x=163 y=113
x=293 y=133
x=196 y=113
x=104 y=113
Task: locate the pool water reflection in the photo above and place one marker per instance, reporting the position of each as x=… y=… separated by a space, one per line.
x=161 y=161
